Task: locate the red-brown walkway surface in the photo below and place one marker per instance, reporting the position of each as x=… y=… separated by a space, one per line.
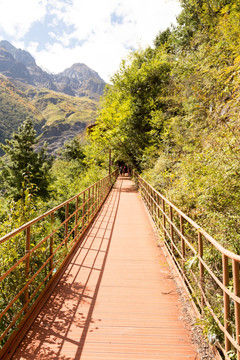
x=117 y=299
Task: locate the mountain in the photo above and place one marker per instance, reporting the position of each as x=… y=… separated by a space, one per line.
x=57 y=117
x=15 y=107
x=65 y=116
x=13 y=69
x=78 y=80
x=60 y=105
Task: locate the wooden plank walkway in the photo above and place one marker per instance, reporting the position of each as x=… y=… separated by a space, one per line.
x=117 y=299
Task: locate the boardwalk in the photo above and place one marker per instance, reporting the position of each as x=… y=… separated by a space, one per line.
x=117 y=299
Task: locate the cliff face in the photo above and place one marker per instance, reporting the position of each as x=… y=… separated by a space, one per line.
x=19 y=55
x=13 y=69
x=78 y=80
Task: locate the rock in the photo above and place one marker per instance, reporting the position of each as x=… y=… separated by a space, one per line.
x=56 y=136
x=78 y=80
x=13 y=69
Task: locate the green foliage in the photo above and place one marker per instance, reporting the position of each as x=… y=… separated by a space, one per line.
x=198 y=167
x=73 y=150
x=162 y=38
x=25 y=167
x=127 y=116
x=70 y=178
x=232 y=355
x=15 y=108
x=60 y=108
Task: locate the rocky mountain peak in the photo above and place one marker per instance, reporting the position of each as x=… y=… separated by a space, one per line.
x=81 y=72
x=78 y=80
x=19 y=55
x=5 y=55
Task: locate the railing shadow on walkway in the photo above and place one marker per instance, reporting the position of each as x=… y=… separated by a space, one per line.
x=68 y=315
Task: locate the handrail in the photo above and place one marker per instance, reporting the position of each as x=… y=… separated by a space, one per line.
x=37 y=252
x=49 y=212
x=228 y=253
x=210 y=272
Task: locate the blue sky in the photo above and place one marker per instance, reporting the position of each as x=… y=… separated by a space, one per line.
x=59 y=33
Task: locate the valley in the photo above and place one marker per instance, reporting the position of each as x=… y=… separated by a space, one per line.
x=60 y=105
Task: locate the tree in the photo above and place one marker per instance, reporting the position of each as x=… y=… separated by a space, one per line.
x=127 y=123
x=73 y=150
x=25 y=168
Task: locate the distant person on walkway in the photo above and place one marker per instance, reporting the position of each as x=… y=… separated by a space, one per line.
x=121 y=170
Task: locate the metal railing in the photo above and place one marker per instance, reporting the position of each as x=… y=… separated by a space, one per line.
x=210 y=272
x=35 y=256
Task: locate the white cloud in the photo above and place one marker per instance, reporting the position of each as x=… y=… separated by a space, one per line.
x=16 y=17
x=99 y=42
x=142 y=19
x=32 y=47
x=96 y=55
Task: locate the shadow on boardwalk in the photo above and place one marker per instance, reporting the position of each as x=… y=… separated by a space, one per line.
x=67 y=317
x=117 y=299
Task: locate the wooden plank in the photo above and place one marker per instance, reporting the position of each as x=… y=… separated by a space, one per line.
x=117 y=299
